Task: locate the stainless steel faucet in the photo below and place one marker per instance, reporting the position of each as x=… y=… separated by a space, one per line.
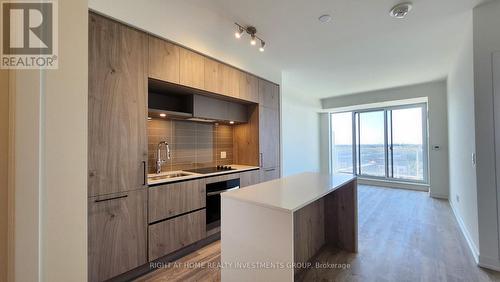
x=159 y=161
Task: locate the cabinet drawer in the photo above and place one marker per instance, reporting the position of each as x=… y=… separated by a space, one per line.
x=248 y=178
x=222 y=178
x=268 y=174
x=173 y=199
x=171 y=235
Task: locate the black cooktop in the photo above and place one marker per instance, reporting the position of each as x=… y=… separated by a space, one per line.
x=206 y=170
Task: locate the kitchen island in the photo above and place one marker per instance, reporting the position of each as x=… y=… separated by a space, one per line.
x=271 y=230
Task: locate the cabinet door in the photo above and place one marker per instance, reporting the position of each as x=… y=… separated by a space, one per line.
x=192 y=69
x=269 y=142
x=248 y=178
x=213 y=76
x=268 y=174
x=173 y=199
x=117 y=115
x=171 y=235
x=230 y=81
x=249 y=87
x=163 y=60
x=116 y=234
x=268 y=94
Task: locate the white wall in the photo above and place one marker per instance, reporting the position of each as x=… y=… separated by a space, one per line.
x=300 y=131
x=463 y=189
x=49 y=169
x=438 y=135
x=486 y=41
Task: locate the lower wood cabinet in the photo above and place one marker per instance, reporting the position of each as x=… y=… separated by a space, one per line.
x=268 y=174
x=248 y=178
x=171 y=235
x=173 y=199
x=117 y=227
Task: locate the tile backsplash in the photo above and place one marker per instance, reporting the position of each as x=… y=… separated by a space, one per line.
x=192 y=144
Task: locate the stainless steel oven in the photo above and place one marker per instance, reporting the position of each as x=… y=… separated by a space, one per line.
x=213 y=200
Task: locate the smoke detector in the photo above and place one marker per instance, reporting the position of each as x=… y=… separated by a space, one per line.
x=401 y=10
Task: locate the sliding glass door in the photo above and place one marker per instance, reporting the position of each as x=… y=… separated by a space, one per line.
x=407 y=144
x=371 y=143
x=385 y=143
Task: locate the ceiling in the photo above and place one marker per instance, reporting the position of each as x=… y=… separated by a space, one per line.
x=361 y=49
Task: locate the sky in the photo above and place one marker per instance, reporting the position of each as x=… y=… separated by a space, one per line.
x=406 y=124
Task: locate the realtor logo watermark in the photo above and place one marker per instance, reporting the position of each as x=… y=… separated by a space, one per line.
x=29 y=35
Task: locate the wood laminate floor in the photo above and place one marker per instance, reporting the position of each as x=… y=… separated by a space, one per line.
x=403 y=236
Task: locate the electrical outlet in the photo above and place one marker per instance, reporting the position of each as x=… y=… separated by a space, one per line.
x=458 y=198
x=474 y=159
x=223 y=155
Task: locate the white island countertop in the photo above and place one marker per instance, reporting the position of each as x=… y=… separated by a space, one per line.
x=291 y=193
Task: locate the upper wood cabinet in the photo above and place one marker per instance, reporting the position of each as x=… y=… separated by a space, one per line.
x=117 y=116
x=269 y=142
x=268 y=94
x=249 y=87
x=163 y=60
x=213 y=76
x=230 y=81
x=192 y=69
x=221 y=79
x=117 y=230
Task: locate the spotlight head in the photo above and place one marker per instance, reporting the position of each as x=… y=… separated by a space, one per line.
x=262 y=45
x=253 y=41
x=239 y=32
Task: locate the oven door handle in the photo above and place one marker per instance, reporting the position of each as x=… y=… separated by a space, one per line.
x=222 y=191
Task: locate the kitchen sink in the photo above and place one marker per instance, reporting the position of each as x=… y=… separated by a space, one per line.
x=168 y=176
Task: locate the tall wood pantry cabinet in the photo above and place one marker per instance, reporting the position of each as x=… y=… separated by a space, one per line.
x=117 y=152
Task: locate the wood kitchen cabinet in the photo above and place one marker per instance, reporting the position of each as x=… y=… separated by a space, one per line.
x=163 y=60
x=249 y=87
x=268 y=94
x=221 y=79
x=248 y=178
x=268 y=174
x=173 y=199
x=230 y=81
x=192 y=69
x=269 y=137
x=117 y=115
x=171 y=235
x=117 y=227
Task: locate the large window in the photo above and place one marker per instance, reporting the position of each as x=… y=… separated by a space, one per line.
x=388 y=143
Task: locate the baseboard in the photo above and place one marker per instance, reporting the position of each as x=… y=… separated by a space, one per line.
x=393 y=184
x=474 y=250
x=438 y=196
x=490 y=263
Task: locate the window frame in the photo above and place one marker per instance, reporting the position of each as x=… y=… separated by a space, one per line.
x=389 y=157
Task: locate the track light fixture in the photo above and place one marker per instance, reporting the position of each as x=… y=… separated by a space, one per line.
x=252 y=31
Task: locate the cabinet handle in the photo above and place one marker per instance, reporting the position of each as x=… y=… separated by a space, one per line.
x=261 y=159
x=268 y=170
x=109 y=199
x=144 y=173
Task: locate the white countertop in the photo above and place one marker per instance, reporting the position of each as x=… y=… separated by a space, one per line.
x=192 y=175
x=291 y=193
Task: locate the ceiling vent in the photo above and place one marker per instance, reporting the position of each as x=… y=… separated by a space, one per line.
x=401 y=10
